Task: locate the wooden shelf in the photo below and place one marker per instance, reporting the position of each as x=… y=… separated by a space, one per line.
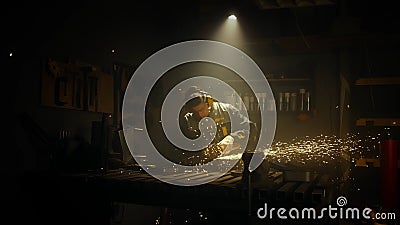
x=288 y=79
x=72 y=86
x=371 y=162
x=274 y=80
x=386 y=122
x=368 y=162
x=378 y=81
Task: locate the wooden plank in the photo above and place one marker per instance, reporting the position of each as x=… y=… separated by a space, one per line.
x=273 y=80
x=275 y=4
x=378 y=122
x=222 y=179
x=182 y=177
x=233 y=180
x=371 y=162
x=378 y=81
x=201 y=176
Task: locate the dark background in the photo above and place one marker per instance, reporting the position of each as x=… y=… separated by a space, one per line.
x=349 y=39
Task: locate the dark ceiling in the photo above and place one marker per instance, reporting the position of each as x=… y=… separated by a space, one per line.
x=34 y=27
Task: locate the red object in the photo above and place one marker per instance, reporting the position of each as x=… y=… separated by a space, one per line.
x=389 y=170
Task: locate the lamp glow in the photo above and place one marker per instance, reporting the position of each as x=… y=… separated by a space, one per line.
x=232 y=17
x=229 y=32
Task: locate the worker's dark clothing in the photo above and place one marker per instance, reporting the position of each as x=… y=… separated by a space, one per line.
x=219 y=112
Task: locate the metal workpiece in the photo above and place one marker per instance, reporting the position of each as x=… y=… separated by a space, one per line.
x=285 y=192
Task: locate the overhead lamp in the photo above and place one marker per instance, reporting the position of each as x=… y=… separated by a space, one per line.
x=232 y=17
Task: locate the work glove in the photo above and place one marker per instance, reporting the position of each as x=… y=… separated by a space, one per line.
x=227 y=141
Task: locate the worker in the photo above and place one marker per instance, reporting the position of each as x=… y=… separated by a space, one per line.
x=201 y=105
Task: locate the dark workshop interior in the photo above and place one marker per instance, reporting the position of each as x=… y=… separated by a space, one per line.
x=333 y=67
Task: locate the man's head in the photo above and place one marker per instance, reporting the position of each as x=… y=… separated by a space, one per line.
x=200 y=102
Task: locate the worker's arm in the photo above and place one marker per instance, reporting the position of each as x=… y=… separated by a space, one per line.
x=241 y=132
x=242 y=124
